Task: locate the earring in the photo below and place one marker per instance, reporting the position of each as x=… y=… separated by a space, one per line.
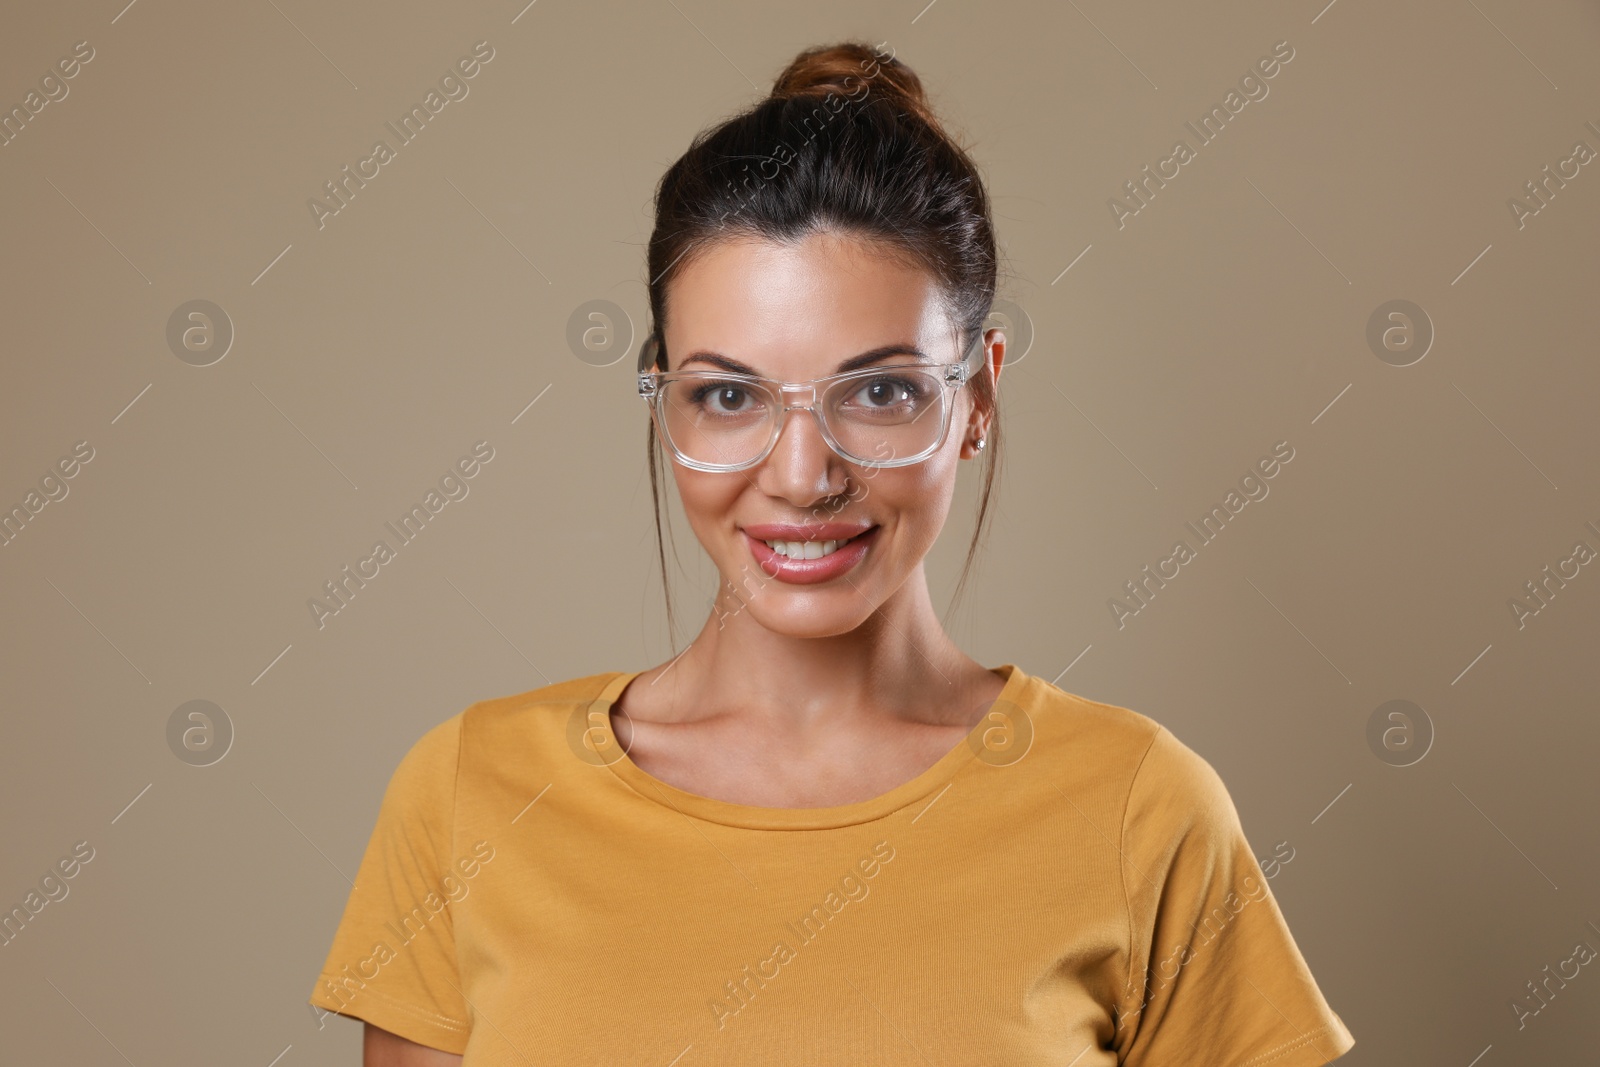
x=978 y=444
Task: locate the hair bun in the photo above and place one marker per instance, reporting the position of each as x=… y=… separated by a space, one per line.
x=844 y=67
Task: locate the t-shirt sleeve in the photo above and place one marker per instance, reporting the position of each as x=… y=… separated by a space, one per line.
x=1214 y=979
x=393 y=960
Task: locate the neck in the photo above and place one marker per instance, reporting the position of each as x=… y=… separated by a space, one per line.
x=898 y=662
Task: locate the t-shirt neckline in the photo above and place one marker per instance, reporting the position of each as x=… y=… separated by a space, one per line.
x=756 y=817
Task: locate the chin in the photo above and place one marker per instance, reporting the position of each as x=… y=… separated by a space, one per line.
x=816 y=620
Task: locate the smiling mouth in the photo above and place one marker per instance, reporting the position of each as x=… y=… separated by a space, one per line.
x=811 y=549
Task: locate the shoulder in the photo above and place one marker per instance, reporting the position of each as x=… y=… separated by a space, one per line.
x=1164 y=805
x=1090 y=731
x=434 y=759
x=540 y=701
x=1146 y=761
x=519 y=730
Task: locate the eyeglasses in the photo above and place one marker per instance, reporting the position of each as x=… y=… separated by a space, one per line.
x=881 y=416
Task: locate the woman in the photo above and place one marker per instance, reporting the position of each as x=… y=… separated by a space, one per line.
x=822 y=834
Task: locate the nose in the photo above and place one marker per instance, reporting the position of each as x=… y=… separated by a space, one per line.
x=801 y=468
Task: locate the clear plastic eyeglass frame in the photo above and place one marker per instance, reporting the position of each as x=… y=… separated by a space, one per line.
x=652 y=378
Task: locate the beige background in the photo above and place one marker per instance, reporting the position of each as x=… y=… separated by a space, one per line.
x=427 y=315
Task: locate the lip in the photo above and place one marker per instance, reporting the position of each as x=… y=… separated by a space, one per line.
x=809 y=571
x=813 y=531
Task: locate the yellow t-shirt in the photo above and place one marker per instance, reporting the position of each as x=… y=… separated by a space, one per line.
x=1071 y=885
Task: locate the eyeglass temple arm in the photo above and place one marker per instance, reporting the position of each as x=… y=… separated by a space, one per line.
x=975 y=355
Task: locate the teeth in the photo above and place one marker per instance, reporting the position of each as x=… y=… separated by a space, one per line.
x=807 y=549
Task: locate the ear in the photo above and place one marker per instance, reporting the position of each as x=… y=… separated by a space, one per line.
x=978 y=422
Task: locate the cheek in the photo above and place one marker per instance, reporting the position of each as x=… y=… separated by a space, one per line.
x=915 y=499
x=708 y=499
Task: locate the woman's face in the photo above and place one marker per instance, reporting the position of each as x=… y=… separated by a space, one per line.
x=794 y=313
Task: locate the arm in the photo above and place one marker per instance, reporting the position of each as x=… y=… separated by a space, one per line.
x=393 y=959
x=1215 y=976
x=380 y=1048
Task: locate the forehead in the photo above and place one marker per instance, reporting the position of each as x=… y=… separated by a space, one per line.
x=796 y=309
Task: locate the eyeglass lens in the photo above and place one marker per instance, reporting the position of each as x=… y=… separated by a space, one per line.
x=896 y=413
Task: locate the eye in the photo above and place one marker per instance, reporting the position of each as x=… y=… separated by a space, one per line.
x=724 y=398
x=892 y=391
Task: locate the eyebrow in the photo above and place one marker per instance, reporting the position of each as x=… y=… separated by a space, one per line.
x=854 y=362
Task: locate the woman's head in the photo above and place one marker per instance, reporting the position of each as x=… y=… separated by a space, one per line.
x=833 y=219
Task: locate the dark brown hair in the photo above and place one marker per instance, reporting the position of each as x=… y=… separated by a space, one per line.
x=846 y=142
